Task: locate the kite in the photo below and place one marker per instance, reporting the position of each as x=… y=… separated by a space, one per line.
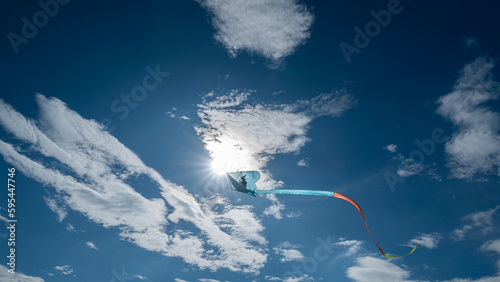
x=244 y=182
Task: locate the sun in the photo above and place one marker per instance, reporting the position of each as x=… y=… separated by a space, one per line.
x=226 y=156
x=219 y=166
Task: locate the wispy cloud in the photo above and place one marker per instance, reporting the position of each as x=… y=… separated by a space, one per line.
x=70 y=227
x=303 y=162
x=91 y=245
x=492 y=246
x=391 y=148
x=353 y=246
x=240 y=135
x=90 y=171
x=474 y=149
x=408 y=167
x=430 y=241
x=288 y=252
x=297 y=278
x=58 y=209
x=481 y=220
x=64 y=269
x=273 y=29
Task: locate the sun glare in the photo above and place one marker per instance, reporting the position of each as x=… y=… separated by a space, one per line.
x=226 y=156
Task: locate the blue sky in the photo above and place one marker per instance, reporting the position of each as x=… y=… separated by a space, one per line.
x=119 y=118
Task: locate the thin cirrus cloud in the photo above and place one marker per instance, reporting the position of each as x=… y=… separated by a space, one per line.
x=90 y=169
x=482 y=220
x=273 y=29
x=64 y=269
x=353 y=246
x=429 y=241
x=492 y=246
x=408 y=167
x=474 y=149
x=242 y=136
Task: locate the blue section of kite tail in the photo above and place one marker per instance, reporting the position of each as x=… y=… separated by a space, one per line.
x=296 y=192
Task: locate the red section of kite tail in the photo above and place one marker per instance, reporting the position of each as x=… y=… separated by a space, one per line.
x=340 y=196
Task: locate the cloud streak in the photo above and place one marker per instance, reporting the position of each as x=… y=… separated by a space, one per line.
x=90 y=171
x=478 y=220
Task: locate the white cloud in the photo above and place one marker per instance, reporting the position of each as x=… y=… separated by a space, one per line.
x=410 y=167
x=241 y=136
x=371 y=269
x=180 y=280
x=301 y=278
x=303 y=162
x=278 y=92
x=353 y=246
x=56 y=207
x=288 y=252
x=430 y=241
x=17 y=277
x=475 y=148
x=275 y=209
x=482 y=220
x=272 y=278
x=91 y=245
x=93 y=181
x=273 y=29
x=391 y=148
x=492 y=246
x=64 y=269
x=70 y=227
x=482 y=279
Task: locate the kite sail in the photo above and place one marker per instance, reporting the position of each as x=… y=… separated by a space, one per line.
x=244 y=181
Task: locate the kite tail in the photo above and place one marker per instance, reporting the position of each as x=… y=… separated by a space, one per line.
x=340 y=196
x=336 y=195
